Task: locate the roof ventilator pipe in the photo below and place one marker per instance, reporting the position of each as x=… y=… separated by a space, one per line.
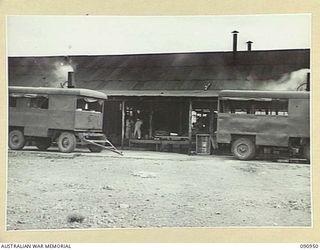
x=249 y=43
x=71 y=83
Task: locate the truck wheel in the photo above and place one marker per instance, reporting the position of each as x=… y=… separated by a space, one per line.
x=16 y=139
x=94 y=148
x=243 y=149
x=43 y=143
x=67 y=142
x=306 y=151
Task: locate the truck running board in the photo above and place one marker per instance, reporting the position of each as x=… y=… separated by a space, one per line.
x=110 y=148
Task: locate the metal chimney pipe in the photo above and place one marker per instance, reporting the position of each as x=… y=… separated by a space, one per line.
x=308 y=82
x=235 y=40
x=249 y=43
x=71 y=83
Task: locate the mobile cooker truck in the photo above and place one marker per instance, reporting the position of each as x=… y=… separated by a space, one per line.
x=66 y=116
x=254 y=120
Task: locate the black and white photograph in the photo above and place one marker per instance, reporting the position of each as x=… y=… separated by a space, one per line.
x=158 y=122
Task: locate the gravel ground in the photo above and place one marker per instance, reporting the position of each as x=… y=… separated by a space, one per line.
x=51 y=190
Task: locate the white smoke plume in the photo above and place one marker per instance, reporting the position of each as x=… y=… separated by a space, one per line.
x=294 y=81
x=61 y=70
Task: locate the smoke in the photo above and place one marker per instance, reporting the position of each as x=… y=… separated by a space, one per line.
x=61 y=69
x=295 y=80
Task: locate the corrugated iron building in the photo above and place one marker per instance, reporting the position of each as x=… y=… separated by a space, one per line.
x=168 y=90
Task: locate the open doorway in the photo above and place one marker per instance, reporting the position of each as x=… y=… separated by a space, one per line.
x=157 y=117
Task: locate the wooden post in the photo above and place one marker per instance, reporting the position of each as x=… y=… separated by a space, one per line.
x=211 y=127
x=150 y=121
x=180 y=117
x=190 y=125
x=123 y=123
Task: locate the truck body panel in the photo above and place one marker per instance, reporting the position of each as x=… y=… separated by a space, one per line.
x=271 y=118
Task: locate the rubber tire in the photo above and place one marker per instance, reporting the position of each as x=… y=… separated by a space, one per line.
x=67 y=142
x=306 y=151
x=16 y=140
x=43 y=143
x=94 y=148
x=248 y=148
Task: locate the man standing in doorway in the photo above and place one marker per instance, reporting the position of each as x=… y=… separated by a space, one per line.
x=129 y=127
x=137 y=128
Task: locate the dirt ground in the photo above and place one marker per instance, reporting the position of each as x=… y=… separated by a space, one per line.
x=51 y=190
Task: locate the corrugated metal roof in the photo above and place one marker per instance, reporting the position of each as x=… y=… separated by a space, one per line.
x=177 y=71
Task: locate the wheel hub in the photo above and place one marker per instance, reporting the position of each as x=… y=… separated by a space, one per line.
x=15 y=139
x=242 y=148
x=65 y=142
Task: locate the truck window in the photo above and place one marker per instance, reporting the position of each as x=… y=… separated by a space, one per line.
x=256 y=107
x=89 y=104
x=12 y=101
x=29 y=101
x=236 y=107
x=40 y=102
